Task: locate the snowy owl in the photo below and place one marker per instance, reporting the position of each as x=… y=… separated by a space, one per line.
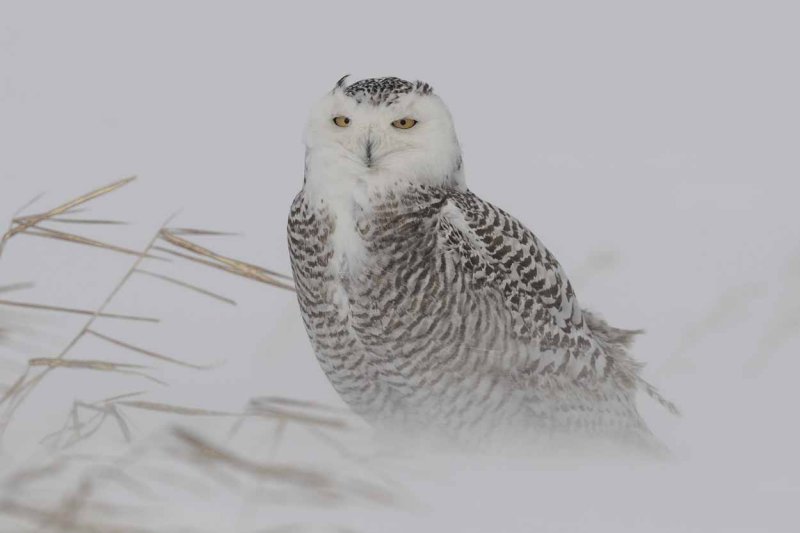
x=430 y=309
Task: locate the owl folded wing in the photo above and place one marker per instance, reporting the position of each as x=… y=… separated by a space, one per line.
x=504 y=256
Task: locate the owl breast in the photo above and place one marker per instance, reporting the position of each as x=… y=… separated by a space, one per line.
x=324 y=247
x=401 y=333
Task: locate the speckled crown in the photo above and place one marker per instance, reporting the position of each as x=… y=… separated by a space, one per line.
x=383 y=91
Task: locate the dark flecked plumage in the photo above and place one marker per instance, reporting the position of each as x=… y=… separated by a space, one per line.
x=453 y=317
x=384 y=91
x=460 y=319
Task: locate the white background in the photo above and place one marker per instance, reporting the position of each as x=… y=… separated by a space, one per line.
x=652 y=146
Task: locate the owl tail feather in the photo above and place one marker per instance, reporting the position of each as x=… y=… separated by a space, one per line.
x=616 y=343
x=657 y=396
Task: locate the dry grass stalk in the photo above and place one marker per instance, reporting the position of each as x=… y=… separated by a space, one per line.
x=112 y=407
x=77 y=363
x=202 y=232
x=30 y=475
x=234 y=266
x=76 y=429
x=186 y=285
x=74 y=426
x=71 y=310
x=154 y=355
x=89 y=221
x=302 y=418
x=104 y=411
x=48 y=520
x=198 y=260
x=91 y=364
x=174 y=409
x=209 y=452
x=121 y=397
x=15 y=287
x=78 y=239
x=24 y=223
x=15 y=387
x=294 y=402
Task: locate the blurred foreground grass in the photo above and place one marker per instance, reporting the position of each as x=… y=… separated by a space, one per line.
x=160 y=481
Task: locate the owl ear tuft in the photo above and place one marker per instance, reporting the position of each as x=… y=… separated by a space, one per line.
x=341 y=83
x=423 y=88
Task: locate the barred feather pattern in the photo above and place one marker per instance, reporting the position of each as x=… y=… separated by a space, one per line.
x=455 y=319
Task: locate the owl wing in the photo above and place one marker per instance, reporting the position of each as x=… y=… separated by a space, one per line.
x=502 y=254
x=497 y=253
x=573 y=347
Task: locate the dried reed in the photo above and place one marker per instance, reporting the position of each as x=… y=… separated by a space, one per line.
x=189 y=453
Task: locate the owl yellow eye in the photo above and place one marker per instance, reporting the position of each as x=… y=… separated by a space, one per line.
x=404 y=123
x=341 y=121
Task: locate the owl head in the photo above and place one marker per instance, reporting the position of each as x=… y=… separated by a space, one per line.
x=381 y=132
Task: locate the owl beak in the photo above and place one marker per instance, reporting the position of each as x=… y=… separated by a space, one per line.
x=368 y=152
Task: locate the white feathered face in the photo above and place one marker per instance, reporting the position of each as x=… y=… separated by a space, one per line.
x=381 y=132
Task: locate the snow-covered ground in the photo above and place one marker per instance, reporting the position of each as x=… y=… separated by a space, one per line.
x=652 y=148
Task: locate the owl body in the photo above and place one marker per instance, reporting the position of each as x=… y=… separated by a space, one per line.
x=431 y=310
